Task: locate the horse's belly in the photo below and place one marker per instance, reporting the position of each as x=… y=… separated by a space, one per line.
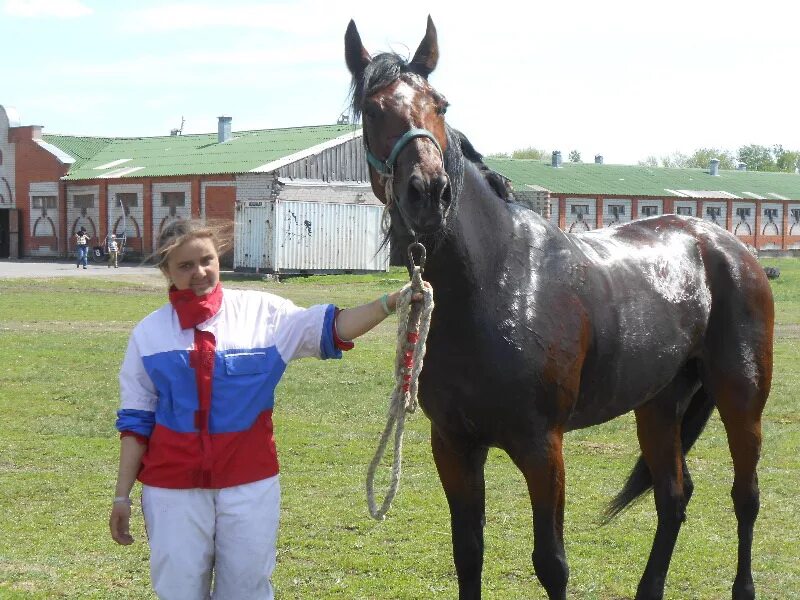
x=617 y=387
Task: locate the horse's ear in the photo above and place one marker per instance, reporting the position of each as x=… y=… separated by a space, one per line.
x=355 y=54
x=427 y=55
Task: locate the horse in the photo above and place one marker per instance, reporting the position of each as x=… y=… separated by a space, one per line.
x=537 y=332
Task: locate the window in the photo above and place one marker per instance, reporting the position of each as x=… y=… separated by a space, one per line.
x=83 y=200
x=649 y=211
x=714 y=212
x=796 y=214
x=770 y=213
x=173 y=199
x=44 y=202
x=580 y=209
x=685 y=210
x=616 y=209
x=128 y=199
x=743 y=213
x=1 y=157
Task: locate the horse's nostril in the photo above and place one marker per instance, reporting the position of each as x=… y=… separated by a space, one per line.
x=417 y=185
x=441 y=188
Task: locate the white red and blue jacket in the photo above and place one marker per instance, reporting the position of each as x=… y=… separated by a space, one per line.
x=198 y=382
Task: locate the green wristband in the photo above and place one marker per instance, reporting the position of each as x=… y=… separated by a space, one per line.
x=385 y=304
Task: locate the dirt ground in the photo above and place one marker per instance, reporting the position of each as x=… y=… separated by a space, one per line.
x=41 y=269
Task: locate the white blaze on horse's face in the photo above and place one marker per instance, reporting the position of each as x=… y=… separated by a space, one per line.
x=420 y=184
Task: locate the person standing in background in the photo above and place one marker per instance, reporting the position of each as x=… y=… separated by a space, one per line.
x=82 y=244
x=113 y=251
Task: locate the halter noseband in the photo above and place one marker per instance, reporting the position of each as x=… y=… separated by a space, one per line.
x=386 y=168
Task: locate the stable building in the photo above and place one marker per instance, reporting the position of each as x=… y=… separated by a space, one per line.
x=760 y=208
x=299 y=197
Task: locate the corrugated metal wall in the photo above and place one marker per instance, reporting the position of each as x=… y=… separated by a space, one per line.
x=345 y=162
x=313 y=236
x=320 y=237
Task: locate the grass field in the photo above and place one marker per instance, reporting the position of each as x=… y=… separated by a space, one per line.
x=62 y=342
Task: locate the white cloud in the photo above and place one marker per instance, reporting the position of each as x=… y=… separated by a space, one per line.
x=59 y=9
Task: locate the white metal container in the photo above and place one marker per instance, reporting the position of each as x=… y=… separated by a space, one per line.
x=308 y=237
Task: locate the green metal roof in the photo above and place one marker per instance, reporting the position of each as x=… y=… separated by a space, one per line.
x=188 y=154
x=629 y=180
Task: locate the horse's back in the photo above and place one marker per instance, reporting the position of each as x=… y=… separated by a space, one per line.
x=662 y=293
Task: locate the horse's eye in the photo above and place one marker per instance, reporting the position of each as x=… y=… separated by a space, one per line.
x=371 y=111
x=442 y=109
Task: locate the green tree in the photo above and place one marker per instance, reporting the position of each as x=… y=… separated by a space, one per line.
x=786 y=160
x=650 y=161
x=701 y=158
x=575 y=156
x=757 y=158
x=675 y=160
x=530 y=152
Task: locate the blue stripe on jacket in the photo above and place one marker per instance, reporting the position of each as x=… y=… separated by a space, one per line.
x=137 y=421
x=243 y=387
x=327 y=346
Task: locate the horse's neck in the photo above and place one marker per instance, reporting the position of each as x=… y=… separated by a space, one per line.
x=475 y=238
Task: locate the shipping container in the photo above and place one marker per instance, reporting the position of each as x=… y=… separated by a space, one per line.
x=289 y=237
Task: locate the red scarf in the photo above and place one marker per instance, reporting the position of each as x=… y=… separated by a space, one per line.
x=192 y=309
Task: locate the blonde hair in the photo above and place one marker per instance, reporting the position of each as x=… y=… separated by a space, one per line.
x=178 y=232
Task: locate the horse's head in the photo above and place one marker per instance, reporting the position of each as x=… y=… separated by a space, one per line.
x=404 y=130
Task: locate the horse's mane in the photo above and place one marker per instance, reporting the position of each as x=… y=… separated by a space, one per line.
x=500 y=184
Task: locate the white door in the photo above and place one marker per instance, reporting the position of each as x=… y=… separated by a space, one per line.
x=253 y=235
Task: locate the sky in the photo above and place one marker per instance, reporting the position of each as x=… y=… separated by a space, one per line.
x=623 y=79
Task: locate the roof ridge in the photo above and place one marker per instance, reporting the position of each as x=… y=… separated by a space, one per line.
x=186 y=135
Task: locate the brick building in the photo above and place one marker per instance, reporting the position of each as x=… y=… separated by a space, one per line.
x=761 y=208
x=52 y=185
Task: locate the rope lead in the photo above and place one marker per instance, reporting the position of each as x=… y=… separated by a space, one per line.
x=413 y=322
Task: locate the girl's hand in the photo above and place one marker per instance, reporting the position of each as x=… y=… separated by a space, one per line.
x=391 y=299
x=120 y=523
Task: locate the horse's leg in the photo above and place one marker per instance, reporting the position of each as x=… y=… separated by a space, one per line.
x=740 y=404
x=658 y=428
x=460 y=470
x=737 y=372
x=543 y=468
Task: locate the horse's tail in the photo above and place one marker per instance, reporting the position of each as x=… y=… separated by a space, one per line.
x=640 y=481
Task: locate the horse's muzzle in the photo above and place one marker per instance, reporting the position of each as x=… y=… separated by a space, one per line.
x=427 y=202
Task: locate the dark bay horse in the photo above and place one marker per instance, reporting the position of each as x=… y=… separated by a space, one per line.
x=537 y=332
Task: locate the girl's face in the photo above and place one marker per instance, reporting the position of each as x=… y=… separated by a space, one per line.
x=194 y=265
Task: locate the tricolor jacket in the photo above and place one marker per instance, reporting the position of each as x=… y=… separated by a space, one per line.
x=203 y=392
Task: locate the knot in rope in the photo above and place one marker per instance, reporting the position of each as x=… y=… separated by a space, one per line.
x=413 y=322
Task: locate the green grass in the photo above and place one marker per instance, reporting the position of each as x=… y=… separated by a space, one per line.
x=63 y=340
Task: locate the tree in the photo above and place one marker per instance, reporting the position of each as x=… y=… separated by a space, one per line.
x=701 y=158
x=575 y=156
x=786 y=160
x=530 y=152
x=676 y=160
x=650 y=161
x=757 y=158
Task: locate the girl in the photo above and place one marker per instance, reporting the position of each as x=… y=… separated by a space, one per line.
x=197 y=387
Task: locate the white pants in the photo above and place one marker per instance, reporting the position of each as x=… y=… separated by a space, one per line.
x=231 y=532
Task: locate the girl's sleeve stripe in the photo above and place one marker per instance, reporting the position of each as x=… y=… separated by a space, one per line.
x=327 y=342
x=141 y=422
